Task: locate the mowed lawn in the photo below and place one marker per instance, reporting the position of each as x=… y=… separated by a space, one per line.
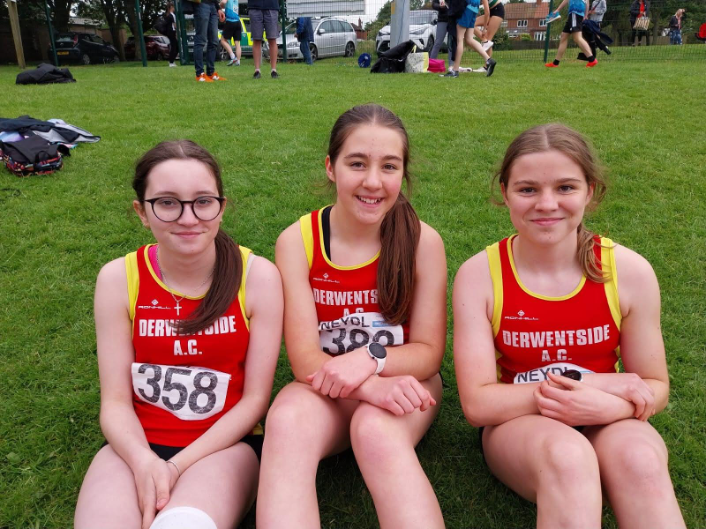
x=646 y=120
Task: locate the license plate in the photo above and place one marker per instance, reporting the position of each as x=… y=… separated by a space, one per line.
x=62 y=52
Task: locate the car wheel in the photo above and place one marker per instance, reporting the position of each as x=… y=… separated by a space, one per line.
x=350 y=50
x=314 y=52
x=85 y=59
x=430 y=44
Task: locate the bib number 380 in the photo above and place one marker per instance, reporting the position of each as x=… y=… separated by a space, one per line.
x=190 y=393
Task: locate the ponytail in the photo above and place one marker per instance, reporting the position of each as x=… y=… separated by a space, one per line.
x=399 y=238
x=227 y=274
x=592 y=268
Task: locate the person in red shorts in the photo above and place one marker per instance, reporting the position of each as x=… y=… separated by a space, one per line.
x=365 y=329
x=188 y=333
x=541 y=319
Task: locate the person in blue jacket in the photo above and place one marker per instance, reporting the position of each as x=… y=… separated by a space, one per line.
x=305 y=34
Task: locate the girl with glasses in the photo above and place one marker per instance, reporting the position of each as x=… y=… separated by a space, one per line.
x=365 y=327
x=541 y=319
x=188 y=333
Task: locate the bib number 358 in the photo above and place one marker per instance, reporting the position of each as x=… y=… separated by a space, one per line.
x=190 y=393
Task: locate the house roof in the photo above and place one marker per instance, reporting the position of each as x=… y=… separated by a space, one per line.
x=528 y=10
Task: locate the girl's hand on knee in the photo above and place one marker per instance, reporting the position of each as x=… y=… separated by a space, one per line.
x=343 y=374
x=579 y=404
x=154 y=484
x=398 y=395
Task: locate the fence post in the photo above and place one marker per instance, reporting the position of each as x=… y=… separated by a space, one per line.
x=283 y=17
x=549 y=31
x=51 y=33
x=140 y=33
x=16 y=33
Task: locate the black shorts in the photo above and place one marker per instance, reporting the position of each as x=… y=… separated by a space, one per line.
x=573 y=23
x=498 y=11
x=232 y=30
x=167 y=452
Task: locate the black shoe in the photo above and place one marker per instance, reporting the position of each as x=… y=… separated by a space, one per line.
x=490 y=66
x=274 y=74
x=256 y=75
x=451 y=73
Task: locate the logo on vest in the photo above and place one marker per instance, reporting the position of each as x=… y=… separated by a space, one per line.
x=154 y=304
x=325 y=279
x=521 y=316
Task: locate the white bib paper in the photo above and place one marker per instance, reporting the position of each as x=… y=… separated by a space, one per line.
x=540 y=374
x=358 y=330
x=190 y=393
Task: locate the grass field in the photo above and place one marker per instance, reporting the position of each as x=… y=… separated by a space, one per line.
x=645 y=119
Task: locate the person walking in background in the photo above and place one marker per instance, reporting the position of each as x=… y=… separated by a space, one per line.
x=305 y=34
x=675 y=27
x=263 y=21
x=638 y=10
x=487 y=34
x=595 y=15
x=206 y=17
x=597 y=11
x=466 y=12
x=577 y=11
x=232 y=30
x=171 y=34
x=442 y=23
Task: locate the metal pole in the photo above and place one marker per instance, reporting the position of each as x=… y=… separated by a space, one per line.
x=399 y=25
x=283 y=16
x=16 y=33
x=549 y=31
x=181 y=30
x=138 y=21
x=51 y=33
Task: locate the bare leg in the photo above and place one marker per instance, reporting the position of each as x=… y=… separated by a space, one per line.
x=108 y=497
x=384 y=448
x=550 y=463
x=223 y=485
x=238 y=51
x=257 y=53
x=303 y=427
x=226 y=46
x=460 y=32
x=273 y=54
x=477 y=46
x=493 y=27
x=633 y=463
x=563 y=43
x=582 y=44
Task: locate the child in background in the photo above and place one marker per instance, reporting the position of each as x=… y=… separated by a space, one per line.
x=577 y=11
x=232 y=29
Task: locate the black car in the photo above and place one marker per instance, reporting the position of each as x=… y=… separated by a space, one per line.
x=84 y=48
x=156 y=46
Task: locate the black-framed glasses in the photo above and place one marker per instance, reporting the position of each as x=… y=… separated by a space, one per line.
x=170 y=209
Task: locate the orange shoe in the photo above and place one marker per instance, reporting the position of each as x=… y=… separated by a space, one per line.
x=216 y=77
x=592 y=63
x=551 y=65
x=203 y=78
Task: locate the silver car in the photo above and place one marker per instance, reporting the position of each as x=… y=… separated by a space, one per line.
x=331 y=37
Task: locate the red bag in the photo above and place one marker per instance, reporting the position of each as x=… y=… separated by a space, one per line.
x=437 y=66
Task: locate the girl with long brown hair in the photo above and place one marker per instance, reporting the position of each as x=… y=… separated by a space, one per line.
x=365 y=329
x=541 y=319
x=188 y=333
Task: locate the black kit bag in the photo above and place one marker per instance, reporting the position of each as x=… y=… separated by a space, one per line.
x=393 y=60
x=45 y=74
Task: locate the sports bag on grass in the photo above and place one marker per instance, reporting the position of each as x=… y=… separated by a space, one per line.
x=417 y=63
x=642 y=23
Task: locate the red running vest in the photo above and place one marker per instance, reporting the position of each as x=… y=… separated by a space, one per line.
x=346 y=297
x=536 y=334
x=182 y=384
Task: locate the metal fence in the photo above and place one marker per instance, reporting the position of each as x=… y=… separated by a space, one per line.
x=523 y=35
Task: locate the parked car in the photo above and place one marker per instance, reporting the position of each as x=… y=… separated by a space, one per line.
x=245 y=40
x=157 y=47
x=84 y=48
x=331 y=37
x=422 y=30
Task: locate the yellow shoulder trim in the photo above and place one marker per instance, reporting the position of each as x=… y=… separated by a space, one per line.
x=322 y=246
x=496 y=275
x=307 y=237
x=611 y=286
x=245 y=253
x=133 y=281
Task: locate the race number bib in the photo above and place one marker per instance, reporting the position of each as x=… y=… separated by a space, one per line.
x=190 y=393
x=358 y=330
x=540 y=374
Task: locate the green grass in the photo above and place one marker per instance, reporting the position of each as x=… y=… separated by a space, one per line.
x=645 y=119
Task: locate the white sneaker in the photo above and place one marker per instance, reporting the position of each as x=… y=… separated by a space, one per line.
x=461 y=69
x=487 y=45
x=450 y=68
x=172 y=65
x=480 y=70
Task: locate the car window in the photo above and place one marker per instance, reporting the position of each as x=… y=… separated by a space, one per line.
x=421 y=17
x=327 y=25
x=247 y=24
x=341 y=26
x=65 y=38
